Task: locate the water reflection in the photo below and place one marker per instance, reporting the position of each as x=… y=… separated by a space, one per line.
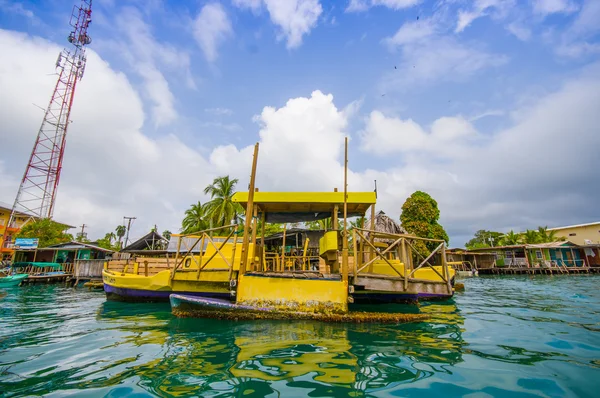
x=260 y=358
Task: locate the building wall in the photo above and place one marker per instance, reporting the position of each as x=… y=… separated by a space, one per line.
x=4 y=216
x=590 y=232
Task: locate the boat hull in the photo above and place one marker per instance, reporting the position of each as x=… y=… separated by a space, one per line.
x=152 y=296
x=198 y=307
x=157 y=288
x=12 y=280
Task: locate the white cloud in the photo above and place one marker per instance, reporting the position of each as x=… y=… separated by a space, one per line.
x=521 y=32
x=386 y=135
x=363 y=5
x=411 y=32
x=111 y=168
x=211 y=28
x=545 y=7
x=147 y=57
x=219 y=111
x=295 y=18
x=481 y=8
x=433 y=58
x=578 y=39
x=254 y=5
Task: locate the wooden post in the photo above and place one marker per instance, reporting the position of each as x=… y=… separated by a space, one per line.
x=254 y=228
x=283 y=249
x=34 y=255
x=262 y=243
x=177 y=256
x=200 y=253
x=445 y=268
x=304 y=265
x=372 y=236
x=356 y=254
x=405 y=262
x=145 y=267
x=249 y=212
x=232 y=257
x=345 y=237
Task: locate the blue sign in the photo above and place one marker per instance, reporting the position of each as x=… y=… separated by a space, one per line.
x=26 y=243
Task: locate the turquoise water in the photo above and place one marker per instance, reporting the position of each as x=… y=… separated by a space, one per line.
x=504 y=336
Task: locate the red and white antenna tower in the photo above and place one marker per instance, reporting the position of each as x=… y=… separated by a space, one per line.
x=37 y=191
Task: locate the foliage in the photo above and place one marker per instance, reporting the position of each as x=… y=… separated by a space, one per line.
x=221 y=210
x=420 y=215
x=359 y=222
x=167 y=234
x=120 y=230
x=320 y=224
x=107 y=241
x=47 y=231
x=530 y=237
x=546 y=236
x=510 y=238
x=195 y=219
x=484 y=238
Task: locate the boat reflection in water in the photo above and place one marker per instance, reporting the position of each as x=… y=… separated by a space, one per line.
x=283 y=358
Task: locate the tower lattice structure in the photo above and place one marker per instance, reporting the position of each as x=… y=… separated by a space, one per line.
x=37 y=192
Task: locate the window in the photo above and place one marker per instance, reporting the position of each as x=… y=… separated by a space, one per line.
x=509 y=254
x=188 y=262
x=559 y=255
x=572 y=234
x=538 y=254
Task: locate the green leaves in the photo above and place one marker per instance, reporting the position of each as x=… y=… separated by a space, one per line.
x=47 y=231
x=420 y=216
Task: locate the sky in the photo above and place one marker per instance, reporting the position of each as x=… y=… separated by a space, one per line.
x=490 y=106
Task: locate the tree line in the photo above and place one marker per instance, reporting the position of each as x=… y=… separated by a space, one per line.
x=483 y=238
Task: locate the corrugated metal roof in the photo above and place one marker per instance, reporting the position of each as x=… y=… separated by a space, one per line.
x=575 y=226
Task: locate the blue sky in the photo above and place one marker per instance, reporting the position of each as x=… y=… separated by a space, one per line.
x=447 y=96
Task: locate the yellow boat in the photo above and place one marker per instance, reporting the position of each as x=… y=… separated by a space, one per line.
x=206 y=273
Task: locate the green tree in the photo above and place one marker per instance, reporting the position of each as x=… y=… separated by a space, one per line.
x=47 y=231
x=195 y=219
x=484 y=238
x=420 y=215
x=531 y=237
x=511 y=238
x=221 y=210
x=359 y=222
x=546 y=236
x=107 y=241
x=120 y=230
x=324 y=224
x=167 y=234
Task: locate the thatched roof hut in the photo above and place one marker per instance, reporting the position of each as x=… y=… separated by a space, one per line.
x=386 y=224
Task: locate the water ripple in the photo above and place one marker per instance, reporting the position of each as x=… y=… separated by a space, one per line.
x=504 y=336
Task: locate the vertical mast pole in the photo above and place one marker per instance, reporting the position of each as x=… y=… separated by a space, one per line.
x=249 y=213
x=345 y=237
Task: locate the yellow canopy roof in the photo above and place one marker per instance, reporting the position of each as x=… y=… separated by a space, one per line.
x=306 y=206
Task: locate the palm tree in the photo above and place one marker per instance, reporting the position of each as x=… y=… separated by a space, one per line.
x=195 y=219
x=110 y=236
x=221 y=210
x=510 y=238
x=546 y=236
x=531 y=237
x=358 y=223
x=120 y=230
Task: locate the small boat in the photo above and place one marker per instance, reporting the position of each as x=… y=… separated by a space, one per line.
x=192 y=306
x=12 y=280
